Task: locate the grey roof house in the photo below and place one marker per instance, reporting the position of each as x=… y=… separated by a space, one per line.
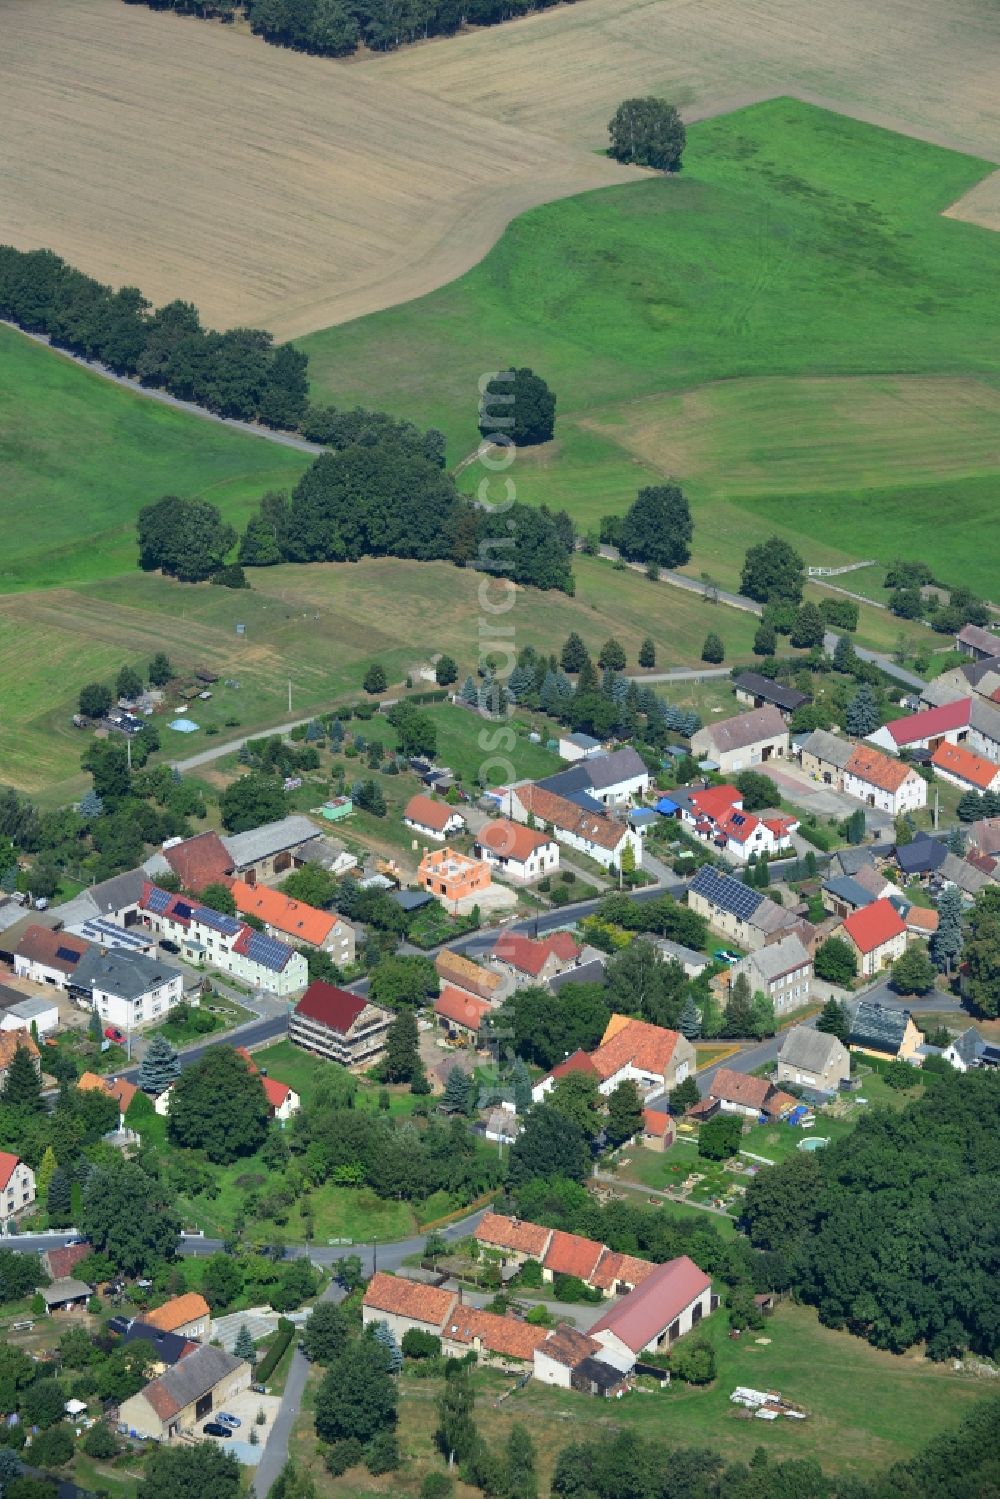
x=813 y=1059
x=752 y=687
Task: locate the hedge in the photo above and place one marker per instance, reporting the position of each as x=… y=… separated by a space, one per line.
x=818 y=837
x=269 y=1362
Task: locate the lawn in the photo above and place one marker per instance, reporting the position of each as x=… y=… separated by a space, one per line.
x=791 y=328
x=302 y=1072
x=82 y=458
x=866 y=1409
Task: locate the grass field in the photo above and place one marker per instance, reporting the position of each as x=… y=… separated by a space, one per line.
x=791 y=328
x=316 y=626
x=867 y=1409
x=79 y=458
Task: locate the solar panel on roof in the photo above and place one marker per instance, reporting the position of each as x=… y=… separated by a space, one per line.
x=68 y=954
x=267 y=951
x=159 y=899
x=183 y=910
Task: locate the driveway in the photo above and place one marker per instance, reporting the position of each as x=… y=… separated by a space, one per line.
x=822 y=801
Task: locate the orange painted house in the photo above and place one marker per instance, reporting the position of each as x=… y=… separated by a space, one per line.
x=453 y=876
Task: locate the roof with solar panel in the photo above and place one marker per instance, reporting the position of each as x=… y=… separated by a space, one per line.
x=726 y=893
x=259 y=948
x=112 y=935
x=218 y=921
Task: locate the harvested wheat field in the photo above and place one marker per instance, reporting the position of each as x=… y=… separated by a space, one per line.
x=267 y=187
x=272 y=188
x=915 y=66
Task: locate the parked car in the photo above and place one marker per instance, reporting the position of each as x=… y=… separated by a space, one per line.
x=229 y=1419
x=114 y=1034
x=216 y=1429
x=724 y=956
x=259 y=1389
x=168 y=946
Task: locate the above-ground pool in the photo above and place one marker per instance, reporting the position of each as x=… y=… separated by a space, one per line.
x=814 y=1142
x=183 y=725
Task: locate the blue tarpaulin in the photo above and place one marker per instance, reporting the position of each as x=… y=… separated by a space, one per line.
x=666 y=807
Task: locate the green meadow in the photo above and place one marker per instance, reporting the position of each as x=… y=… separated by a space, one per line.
x=790 y=328
x=79 y=457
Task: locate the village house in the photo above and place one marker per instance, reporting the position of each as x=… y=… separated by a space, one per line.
x=692 y=962
x=571 y=1254
x=516 y=1239
x=737 y=911
x=116 y=899
x=653 y=1058
x=813 y=1059
x=519 y=852
x=17 y=1187
x=572 y=1360
x=224 y=942
x=168 y=1347
x=10 y=1041
x=117 y=1088
x=535 y=960
x=578 y=746
x=889 y=785
x=461 y=1015
x=970 y=772
x=453 y=877
x=188 y=1316
x=967 y=877
x=716 y=816
x=876 y=934
x=127 y=989
x=964 y=1051
x=501 y=1342
x=921 y=922
x=843 y=894
x=282 y=1100
x=613 y=778
x=404 y=1304
x=186 y=1394
x=577 y=1061
x=454 y=969
x=824 y=757
x=751 y=1097
x=984 y=836
x=880 y=1032
x=984 y=729
x=334 y=1023
x=759 y=691
x=432 y=819
x=671 y=1301
x=921 y=857
x=617 y=1274
x=948 y=724
x=48 y=957
x=781 y=970
x=744 y=741
x=586 y=829
x=294 y=921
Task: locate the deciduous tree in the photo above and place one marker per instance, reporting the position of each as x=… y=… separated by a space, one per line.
x=647 y=132
x=219 y=1106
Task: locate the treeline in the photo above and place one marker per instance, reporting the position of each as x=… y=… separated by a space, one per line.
x=388 y=496
x=333 y=28
x=893 y=1233
x=236 y=374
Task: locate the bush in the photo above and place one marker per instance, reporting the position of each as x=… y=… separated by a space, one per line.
x=539 y=1316
x=343 y=1455
x=436 y=1486
x=530 y=1274
x=382 y=1453
x=53 y=1447
x=100 y=1441
x=419 y=1344
x=694 y=1361
x=269 y=1362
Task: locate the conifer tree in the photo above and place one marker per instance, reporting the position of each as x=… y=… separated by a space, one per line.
x=160 y=1066
x=387 y=1338
x=456 y=1091
x=59 y=1199
x=647 y=653
x=689 y=1024
x=23 y=1087
x=244 y=1345
x=46 y=1170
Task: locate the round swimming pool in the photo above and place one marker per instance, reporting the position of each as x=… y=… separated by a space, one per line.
x=814 y=1142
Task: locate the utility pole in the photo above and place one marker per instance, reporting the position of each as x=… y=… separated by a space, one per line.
x=289 y=694
x=937 y=804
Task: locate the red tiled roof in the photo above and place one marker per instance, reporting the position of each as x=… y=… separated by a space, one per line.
x=779 y=1103
x=648 y=1047
x=331 y=1006
x=568 y=1347
x=175 y=1313
x=200 y=861
x=739 y=1087
x=869 y=764
x=931 y=721
x=529 y=955
x=62 y=1262
x=656 y=1121
x=293 y=918
x=642 y=1315
x=276 y=1092
x=513 y=1233
x=40 y=945
x=716 y=800
x=874 y=925
x=511 y=840
x=569 y=1254
x=959 y=761
x=429 y=813
x=504 y=1335
x=461 y=971
x=463 y=1009
x=615 y=1268
x=408 y=1298
x=8 y=1165
x=922 y=919
x=579 y=1061
x=567 y=816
